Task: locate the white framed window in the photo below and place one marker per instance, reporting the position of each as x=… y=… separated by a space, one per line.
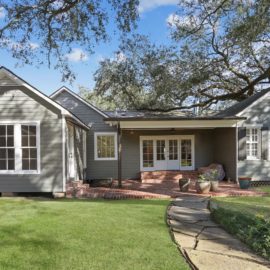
x=19 y=148
x=105 y=145
x=253 y=143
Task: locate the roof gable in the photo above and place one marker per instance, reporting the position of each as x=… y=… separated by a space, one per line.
x=240 y=107
x=65 y=89
x=8 y=78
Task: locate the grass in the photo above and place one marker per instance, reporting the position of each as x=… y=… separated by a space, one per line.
x=248 y=205
x=263 y=188
x=72 y=234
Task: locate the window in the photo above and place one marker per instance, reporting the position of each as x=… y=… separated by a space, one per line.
x=19 y=148
x=148 y=153
x=253 y=143
x=7 y=151
x=161 y=149
x=173 y=149
x=29 y=147
x=105 y=146
x=186 y=153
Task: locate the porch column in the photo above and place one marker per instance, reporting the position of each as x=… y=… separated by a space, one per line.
x=119 y=137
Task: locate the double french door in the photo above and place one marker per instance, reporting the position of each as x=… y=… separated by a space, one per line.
x=167 y=152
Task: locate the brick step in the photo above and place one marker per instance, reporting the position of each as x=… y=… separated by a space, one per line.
x=168 y=175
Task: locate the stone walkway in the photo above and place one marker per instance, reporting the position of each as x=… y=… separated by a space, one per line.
x=203 y=243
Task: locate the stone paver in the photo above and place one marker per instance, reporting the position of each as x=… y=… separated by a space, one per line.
x=205 y=245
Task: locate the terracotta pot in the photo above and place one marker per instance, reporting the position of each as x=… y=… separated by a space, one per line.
x=203 y=187
x=184 y=184
x=214 y=186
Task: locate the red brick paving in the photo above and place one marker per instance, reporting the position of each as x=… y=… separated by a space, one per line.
x=150 y=189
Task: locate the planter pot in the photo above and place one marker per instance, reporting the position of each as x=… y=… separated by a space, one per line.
x=244 y=182
x=184 y=184
x=203 y=187
x=214 y=186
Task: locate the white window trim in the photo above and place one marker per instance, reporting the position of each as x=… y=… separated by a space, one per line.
x=96 y=134
x=17 y=143
x=258 y=127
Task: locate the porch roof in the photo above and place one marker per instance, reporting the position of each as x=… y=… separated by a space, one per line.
x=146 y=120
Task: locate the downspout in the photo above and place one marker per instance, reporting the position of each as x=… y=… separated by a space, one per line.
x=119 y=137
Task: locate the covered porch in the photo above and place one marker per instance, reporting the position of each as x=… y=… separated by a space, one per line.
x=152 y=149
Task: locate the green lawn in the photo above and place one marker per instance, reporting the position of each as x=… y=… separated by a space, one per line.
x=264 y=189
x=72 y=234
x=249 y=205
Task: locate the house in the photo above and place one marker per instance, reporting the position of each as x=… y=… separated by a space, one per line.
x=47 y=141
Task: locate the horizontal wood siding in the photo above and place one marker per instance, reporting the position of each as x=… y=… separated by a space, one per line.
x=95 y=168
x=225 y=150
x=20 y=104
x=258 y=114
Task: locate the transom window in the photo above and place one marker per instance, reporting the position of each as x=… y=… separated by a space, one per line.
x=19 y=148
x=105 y=146
x=253 y=143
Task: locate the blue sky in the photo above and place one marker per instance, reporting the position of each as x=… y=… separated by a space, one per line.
x=153 y=17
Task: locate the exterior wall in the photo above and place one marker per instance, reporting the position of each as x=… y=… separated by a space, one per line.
x=20 y=104
x=225 y=150
x=131 y=148
x=258 y=114
x=95 y=168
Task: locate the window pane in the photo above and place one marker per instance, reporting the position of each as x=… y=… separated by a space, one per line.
x=10 y=130
x=3 y=153
x=186 y=155
x=33 y=153
x=24 y=130
x=148 y=154
x=32 y=140
x=11 y=164
x=2 y=141
x=2 y=130
x=32 y=130
x=25 y=153
x=33 y=164
x=3 y=164
x=11 y=153
x=24 y=140
x=10 y=141
x=25 y=164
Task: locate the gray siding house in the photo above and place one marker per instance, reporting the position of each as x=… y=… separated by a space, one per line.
x=46 y=142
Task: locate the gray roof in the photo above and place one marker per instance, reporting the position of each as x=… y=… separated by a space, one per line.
x=240 y=106
x=147 y=115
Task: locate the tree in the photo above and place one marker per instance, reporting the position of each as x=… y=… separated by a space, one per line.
x=32 y=29
x=221 y=54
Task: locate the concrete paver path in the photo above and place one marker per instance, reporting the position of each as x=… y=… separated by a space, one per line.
x=204 y=243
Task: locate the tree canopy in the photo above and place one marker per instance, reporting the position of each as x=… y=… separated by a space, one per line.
x=32 y=29
x=220 y=53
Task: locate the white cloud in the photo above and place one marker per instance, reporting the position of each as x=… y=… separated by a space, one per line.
x=77 y=55
x=146 y=5
x=2 y=13
x=174 y=20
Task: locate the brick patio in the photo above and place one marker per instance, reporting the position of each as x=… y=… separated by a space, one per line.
x=150 y=189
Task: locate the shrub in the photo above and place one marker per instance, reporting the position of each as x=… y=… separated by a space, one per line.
x=253 y=230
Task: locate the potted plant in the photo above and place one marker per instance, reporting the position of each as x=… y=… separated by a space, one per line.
x=244 y=182
x=213 y=178
x=203 y=184
x=184 y=184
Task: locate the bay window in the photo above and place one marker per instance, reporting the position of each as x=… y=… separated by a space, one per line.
x=19 y=148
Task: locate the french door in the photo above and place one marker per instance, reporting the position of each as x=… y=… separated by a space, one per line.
x=167 y=153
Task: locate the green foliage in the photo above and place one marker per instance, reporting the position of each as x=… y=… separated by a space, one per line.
x=220 y=53
x=57 y=26
x=251 y=229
